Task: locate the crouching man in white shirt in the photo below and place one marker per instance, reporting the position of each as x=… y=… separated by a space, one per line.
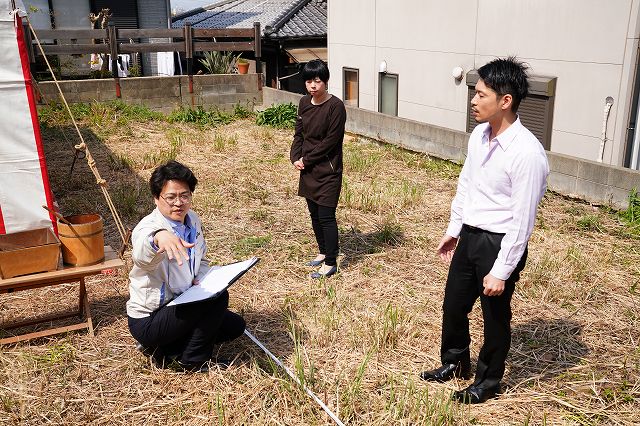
x=169 y=257
x=492 y=217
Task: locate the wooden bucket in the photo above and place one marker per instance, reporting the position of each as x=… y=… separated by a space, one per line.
x=83 y=240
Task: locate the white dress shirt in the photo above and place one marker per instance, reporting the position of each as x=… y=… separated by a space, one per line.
x=501 y=183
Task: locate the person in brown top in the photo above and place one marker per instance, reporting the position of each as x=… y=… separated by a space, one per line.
x=317 y=152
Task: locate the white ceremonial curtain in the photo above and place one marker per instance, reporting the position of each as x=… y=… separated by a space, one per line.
x=24 y=183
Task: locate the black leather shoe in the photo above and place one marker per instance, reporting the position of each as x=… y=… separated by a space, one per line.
x=447 y=372
x=475 y=394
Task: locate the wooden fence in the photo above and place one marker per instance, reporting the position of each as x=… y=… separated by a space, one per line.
x=114 y=41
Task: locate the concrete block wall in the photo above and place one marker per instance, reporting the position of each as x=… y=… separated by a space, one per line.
x=159 y=93
x=588 y=180
x=163 y=94
x=224 y=90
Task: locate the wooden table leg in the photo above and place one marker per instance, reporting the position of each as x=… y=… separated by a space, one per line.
x=83 y=308
x=87 y=311
x=83 y=296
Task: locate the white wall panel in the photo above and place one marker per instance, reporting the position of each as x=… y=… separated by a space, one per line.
x=425 y=77
x=352 y=22
x=427 y=25
x=634 y=20
x=567 y=30
x=575 y=145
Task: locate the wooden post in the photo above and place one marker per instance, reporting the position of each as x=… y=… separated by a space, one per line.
x=29 y=41
x=257 y=48
x=188 y=53
x=26 y=31
x=113 y=48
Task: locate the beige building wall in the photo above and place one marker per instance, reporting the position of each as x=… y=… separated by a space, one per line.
x=589 y=45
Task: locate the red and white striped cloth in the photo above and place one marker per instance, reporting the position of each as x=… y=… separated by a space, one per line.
x=24 y=183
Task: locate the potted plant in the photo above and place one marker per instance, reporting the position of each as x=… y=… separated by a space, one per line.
x=243 y=66
x=218 y=62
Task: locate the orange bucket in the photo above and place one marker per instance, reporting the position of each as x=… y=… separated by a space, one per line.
x=83 y=240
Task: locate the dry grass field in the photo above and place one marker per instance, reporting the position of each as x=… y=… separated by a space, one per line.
x=359 y=339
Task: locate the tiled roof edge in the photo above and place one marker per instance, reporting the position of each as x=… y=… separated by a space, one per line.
x=287 y=15
x=199 y=10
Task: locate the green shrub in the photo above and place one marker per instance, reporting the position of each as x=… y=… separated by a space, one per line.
x=280 y=116
x=133 y=112
x=56 y=114
x=589 y=222
x=99 y=113
x=135 y=71
x=98 y=74
x=200 y=116
x=632 y=214
x=240 y=111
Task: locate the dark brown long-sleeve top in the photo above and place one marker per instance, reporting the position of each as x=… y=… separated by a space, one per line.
x=318 y=141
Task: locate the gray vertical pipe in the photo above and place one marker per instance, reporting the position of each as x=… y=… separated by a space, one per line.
x=634 y=161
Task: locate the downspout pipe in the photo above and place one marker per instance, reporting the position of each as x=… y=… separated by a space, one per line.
x=607 y=108
x=634 y=161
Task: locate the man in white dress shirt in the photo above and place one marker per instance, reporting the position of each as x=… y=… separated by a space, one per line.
x=492 y=217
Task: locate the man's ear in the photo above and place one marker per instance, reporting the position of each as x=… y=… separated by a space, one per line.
x=506 y=101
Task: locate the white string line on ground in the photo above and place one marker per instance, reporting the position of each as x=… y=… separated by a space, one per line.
x=290 y=373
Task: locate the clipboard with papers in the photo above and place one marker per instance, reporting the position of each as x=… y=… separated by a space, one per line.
x=215 y=282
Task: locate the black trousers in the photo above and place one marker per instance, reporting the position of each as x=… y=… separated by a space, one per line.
x=188 y=331
x=472 y=260
x=325 y=228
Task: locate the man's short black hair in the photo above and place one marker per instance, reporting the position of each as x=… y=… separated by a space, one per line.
x=506 y=76
x=171 y=171
x=315 y=68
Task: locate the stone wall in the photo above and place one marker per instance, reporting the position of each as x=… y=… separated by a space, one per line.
x=162 y=93
x=571 y=176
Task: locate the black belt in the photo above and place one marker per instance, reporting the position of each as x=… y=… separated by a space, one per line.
x=474 y=229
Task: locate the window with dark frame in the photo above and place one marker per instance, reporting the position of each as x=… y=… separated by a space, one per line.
x=388 y=93
x=350 y=86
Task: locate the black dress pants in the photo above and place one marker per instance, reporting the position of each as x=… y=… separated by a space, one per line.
x=472 y=260
x=325 y=228
x=188 y=331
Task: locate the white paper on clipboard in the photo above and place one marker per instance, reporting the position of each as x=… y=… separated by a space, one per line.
x=215 y=282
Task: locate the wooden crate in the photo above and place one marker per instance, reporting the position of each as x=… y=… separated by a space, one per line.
x=28 y=252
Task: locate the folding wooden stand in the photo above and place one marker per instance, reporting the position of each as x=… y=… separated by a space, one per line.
x=68 y=274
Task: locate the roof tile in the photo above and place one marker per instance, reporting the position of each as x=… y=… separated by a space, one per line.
x=309 y=21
